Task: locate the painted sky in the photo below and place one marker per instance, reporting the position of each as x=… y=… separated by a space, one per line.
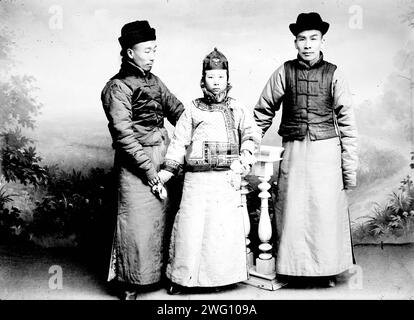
x=71 y=64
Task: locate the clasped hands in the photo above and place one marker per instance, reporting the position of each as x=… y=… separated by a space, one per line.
x=162 y=177
x=157 y=184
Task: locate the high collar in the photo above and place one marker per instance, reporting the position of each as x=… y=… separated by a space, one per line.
x=128 y=68
x=304 y=64
x=210 y=97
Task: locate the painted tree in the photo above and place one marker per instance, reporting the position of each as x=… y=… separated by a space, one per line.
x=408 y=17
x=18 y=107
x=394 y=109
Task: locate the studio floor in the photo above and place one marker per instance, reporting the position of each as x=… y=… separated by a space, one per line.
x=27 y=273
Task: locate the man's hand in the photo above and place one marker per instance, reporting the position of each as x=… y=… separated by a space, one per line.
x=164 y=176
x=159 y=191
x=154 y=181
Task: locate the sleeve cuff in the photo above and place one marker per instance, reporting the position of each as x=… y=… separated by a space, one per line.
x=151 y=174
x=350 y=182
x=171 y=166
x=248 y=145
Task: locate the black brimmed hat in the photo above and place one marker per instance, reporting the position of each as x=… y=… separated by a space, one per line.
x=309 y=21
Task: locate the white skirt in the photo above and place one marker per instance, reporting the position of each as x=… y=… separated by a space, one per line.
x=313 y=233
x=208 y=246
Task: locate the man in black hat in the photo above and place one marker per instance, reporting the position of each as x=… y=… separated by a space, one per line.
x=135 y=102
x=320 y=158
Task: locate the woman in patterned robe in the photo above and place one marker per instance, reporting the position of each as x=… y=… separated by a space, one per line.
x=207 y=247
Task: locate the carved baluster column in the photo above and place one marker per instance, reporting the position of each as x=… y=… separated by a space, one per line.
x=265 y=263
x=244 y=191
x=263 y=274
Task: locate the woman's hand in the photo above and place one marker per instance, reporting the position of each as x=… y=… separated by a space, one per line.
x=164 y=176
x=247 y=159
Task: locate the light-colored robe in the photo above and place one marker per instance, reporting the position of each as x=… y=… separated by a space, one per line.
x=311 y=210
x=208 y=246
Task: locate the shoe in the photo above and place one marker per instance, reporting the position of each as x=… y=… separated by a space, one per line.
x=331 y=283
x=224 y=288
x=326 y=282
x=174 y=289
x=129 y=295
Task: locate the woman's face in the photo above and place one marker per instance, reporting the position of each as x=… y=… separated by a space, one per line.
x=216 y=80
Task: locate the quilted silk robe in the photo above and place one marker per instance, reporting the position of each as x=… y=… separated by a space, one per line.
x=207 y=246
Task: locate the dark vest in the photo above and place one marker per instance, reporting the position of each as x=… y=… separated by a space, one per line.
x=147 y=110
x=308 y=102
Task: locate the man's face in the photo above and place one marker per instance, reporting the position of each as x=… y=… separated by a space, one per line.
x=143 y=54
x=308 y=43
x=216 y=80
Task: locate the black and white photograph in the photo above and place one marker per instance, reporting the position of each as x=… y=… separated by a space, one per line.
x=206 y=150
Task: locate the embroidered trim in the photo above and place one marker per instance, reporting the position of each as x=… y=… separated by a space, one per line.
x=228 y=116
x=171 y=166
x=216 y=155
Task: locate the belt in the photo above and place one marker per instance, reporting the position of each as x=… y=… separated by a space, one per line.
x=205 y=168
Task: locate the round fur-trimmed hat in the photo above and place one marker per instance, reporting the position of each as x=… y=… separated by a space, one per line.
x=136 y=32
x=215 y=60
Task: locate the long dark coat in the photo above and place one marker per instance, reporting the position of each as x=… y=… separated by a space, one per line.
x=135 y=104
